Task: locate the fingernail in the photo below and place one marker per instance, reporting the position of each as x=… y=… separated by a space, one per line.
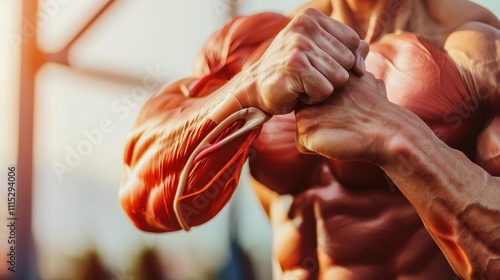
x=361 y=64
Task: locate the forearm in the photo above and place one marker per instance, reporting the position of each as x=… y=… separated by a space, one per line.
x=458 y=201
x=166 y=142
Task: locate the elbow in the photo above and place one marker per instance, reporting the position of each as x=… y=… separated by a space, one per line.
x=137 y=216
x=145 y=206
x=151 y=179
x=141 y=196
x=150 y=206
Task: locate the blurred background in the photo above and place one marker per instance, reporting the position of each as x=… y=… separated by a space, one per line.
x=73 y=76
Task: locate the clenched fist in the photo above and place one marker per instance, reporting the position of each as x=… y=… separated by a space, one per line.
x=355 y=123
x=309 y=59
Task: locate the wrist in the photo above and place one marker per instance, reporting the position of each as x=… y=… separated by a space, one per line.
x=409 y=143
x=239 y=93
x=244 y=88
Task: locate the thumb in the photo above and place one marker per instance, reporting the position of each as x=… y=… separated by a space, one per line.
x=359 y=67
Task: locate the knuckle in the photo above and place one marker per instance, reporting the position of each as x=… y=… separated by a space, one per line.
x=300 y=42
x=300 y=21
x=349 y=60
x=364 y=47
x=296 y=61
x=352 y=39
x=342 y=78
x=304 y=22
x=311 y=12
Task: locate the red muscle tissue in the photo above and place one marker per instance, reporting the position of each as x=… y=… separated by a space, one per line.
x=171 y=126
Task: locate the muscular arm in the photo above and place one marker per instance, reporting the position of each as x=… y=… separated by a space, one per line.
x=457 y=199
x=185 y=153
x=172 y=125
x=168 y=130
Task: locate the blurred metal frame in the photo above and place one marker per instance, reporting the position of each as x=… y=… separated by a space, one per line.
x=25 y=265
x=32 y=59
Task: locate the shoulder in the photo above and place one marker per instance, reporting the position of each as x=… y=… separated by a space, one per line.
x=475 y=49
x=475 y=40
x=454 y=13
x=470 y=27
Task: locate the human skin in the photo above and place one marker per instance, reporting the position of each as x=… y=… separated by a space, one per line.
x=458 y=200
x=339 y=219
x=174 y=123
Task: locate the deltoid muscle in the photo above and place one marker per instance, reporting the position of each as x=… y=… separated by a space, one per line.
x=181 y=167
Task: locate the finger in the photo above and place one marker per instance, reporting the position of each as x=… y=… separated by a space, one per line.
x=336 y=73
x=363 y=48
x=342 y=32
x=335 y=49
x=359 y=67
x=316 y=86
x=338 y=45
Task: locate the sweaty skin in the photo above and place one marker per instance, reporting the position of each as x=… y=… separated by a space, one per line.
x=346 y=204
